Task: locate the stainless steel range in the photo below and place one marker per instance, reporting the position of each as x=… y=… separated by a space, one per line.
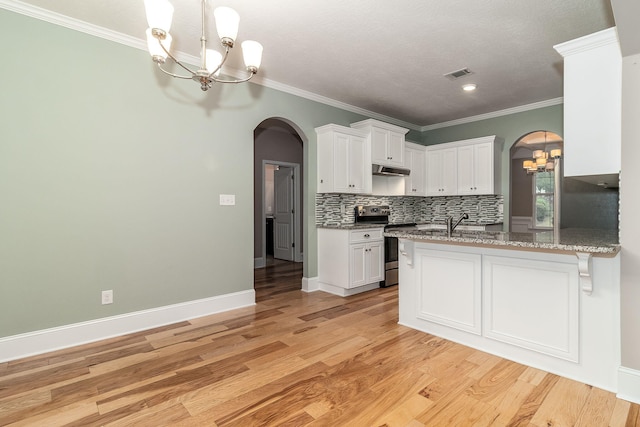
x=380 y=215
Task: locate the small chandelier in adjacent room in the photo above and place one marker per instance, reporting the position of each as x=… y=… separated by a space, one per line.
x=543 y=161
x=159 y=16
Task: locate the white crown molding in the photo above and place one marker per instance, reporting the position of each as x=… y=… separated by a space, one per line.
x=331 y=102
x=588 y=42
x=127 y=40
x=494 y=114
x=71 y=23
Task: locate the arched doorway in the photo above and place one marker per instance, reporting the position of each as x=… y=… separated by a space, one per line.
x=534 y=188
x=278 y=185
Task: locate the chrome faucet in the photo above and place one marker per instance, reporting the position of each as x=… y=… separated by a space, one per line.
x=451 y=226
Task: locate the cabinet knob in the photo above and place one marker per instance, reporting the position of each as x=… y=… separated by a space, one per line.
x=321 y=181
x=367 y=236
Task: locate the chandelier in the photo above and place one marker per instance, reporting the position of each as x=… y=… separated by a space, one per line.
x=543 y=161
x=159 y=16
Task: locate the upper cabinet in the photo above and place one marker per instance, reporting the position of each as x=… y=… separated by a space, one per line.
x=415 y=161
x=442 y=170
x=344 y=160
x=387 y=142
x=592 y=104
x=468 y=167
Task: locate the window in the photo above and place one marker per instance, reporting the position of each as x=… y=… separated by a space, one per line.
x=543 y=194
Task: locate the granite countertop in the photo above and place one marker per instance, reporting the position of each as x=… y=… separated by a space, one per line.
x=354 y=226
x=350 y=226
x=596 y=242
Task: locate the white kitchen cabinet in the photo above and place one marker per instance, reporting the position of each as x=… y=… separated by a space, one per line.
x=387 y=142
x=415 y=161
x=441 y=171
x=592 y=105
x=466 y=167
x=350 y=261
x=344 y=160
x=477 y=173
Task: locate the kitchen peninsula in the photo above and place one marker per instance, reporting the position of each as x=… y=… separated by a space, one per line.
x=549 y=303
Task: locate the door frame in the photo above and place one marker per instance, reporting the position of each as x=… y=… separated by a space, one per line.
x=297 y=251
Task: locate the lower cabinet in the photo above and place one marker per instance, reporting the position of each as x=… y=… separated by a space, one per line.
x=350 y=261
x=529 y=306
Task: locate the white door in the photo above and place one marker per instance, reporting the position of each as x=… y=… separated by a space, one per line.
x=283 y=213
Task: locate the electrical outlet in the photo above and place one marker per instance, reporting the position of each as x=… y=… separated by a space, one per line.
x=227 y=199
x=107 y=297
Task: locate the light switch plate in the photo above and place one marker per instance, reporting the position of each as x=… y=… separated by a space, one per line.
x=227 y=199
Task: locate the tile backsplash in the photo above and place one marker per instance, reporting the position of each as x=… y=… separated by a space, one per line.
x=333 y=209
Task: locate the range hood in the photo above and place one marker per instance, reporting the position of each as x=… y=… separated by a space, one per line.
x=389 y=171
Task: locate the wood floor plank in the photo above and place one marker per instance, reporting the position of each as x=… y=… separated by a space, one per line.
x=563 y=405
x=295 y=359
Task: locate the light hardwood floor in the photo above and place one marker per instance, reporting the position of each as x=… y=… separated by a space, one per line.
x=295 y=359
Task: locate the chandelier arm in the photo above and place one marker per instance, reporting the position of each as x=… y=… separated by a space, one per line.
x=232 y=81
x=175 y=60
x=172 y=74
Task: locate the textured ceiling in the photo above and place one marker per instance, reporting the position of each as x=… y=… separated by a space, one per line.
x=388 y=57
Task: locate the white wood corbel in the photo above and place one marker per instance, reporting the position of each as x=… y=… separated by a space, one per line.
x=405 y=248
x=584 y=269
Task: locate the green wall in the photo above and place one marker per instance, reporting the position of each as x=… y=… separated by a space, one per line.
x=110 y=175
x=509 y=127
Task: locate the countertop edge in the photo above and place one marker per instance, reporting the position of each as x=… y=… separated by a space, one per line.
x=600 y=251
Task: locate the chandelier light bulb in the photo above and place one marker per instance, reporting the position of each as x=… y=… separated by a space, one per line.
x=159 y=14
x=214 y=59
x=252 y=53
x=227 y=22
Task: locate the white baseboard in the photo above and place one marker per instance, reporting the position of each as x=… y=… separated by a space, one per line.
x=629 y=384
x=46 y=340
x=259 y=262
x=342 y=292
x=310 y=284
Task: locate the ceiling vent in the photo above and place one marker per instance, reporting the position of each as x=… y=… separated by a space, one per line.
x=454 y=75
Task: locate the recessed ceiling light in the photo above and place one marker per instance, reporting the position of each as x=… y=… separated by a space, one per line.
x=469 y=87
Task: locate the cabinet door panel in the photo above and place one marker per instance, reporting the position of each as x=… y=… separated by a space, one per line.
x=357 y=154
x=396 y=149
x=483 y=169
x=341 y=163
x=357 y=263
x=417 y=172
x=449 y=172
x=379 y=139
x=434 y=172
x=376 y=262
x=465 y=170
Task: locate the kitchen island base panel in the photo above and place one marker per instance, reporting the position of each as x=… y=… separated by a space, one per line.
x=531 y=307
